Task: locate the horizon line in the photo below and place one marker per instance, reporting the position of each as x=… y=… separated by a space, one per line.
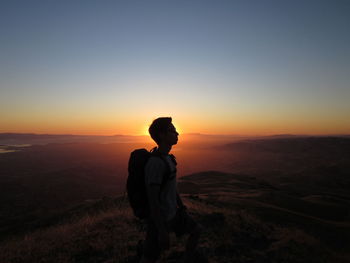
x=188 y=133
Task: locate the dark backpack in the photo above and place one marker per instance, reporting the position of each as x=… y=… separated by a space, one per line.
x=135 y=185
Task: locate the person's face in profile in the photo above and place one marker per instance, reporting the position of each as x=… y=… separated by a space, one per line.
x=171 y=136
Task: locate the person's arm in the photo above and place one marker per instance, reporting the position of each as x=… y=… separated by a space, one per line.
x=157 y=217
x=153 y=200
x=154 y=171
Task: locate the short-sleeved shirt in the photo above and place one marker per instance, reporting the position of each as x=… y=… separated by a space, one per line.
x=155 y=170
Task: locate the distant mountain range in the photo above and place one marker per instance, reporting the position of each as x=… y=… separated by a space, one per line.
x=32 y=138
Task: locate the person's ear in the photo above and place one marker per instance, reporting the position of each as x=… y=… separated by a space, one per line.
x=161 y=136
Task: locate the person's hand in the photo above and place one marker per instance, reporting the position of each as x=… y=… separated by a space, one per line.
x=164 y=240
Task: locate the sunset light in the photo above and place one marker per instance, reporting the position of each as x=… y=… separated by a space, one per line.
x=229 y=68
x=257 y=90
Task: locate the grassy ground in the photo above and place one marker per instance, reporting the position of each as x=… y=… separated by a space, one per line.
x=111 y=235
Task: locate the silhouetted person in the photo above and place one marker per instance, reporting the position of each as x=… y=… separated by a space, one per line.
x=167 y=211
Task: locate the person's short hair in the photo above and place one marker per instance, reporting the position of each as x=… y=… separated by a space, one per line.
x=158 y=126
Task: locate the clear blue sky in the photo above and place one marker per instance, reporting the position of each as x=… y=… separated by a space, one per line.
x=106 y=67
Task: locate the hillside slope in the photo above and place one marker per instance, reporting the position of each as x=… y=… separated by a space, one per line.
x=245 y=220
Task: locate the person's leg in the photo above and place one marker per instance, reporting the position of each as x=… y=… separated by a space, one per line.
x=183 y=223
x=150 y=251
x=192 y=243
x=147 y=260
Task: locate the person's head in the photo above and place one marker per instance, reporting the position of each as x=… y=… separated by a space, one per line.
x=162 y=131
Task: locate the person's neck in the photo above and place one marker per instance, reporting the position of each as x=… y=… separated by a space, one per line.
x=164 y=149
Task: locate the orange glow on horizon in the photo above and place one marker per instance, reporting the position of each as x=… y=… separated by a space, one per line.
x=144 y=131
x=184 y=124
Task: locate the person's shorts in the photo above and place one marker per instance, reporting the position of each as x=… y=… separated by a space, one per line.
x=180 y=224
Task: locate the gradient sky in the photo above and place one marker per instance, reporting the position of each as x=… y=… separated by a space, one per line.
x=219 y=67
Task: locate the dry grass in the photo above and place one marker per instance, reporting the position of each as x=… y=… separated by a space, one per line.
x=112 y=236
x=93 y=238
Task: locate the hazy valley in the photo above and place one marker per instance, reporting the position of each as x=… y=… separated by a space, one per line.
x=273 y=199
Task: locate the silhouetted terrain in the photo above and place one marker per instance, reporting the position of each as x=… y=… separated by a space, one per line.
x=261 y=200
x=31 y=138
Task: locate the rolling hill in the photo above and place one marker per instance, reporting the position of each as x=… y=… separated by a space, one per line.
x=245 y=219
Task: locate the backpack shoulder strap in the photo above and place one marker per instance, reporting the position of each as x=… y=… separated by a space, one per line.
x=155 y=152
x=173 y=158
